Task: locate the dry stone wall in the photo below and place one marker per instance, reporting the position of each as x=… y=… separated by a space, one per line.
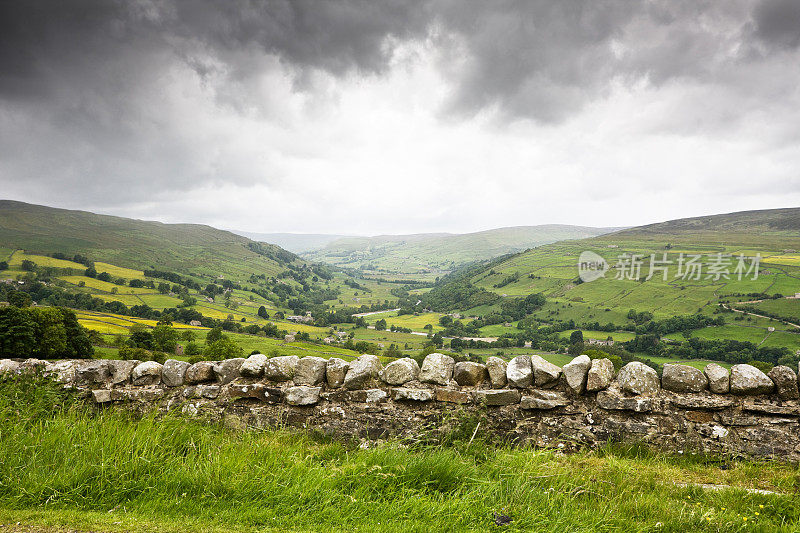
x=741 y=412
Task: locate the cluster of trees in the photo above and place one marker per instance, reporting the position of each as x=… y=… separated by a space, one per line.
x=677 y=324
x=271 y=251
x=353 y=284
x=43 y=333
x=511 y=309
x=77 y=258
x=459 y=294
x=508 y=280
x=173 y=278
x=58 y=297
x=730 y=351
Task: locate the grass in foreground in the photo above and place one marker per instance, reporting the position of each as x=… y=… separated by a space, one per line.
x=63 y=465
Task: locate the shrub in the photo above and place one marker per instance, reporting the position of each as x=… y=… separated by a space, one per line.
x=223 y=348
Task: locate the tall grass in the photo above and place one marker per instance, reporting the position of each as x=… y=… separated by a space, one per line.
x=58 y=456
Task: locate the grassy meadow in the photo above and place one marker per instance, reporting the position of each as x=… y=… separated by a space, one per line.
x=67 y=466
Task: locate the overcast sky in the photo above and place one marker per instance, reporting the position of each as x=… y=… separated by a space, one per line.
x=368 y=117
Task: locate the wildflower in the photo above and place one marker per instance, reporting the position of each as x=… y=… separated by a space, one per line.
x=756 y=513
x=744 y=518
x=760 y=506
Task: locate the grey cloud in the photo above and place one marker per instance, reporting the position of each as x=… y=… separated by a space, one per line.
x=545 y=60
x=84 y=83
x=777 y=22
x=527 y=58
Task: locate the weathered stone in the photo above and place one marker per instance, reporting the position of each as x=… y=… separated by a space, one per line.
x=638 y=378
x=520 y=372
x=748 y=380
x=453 y=396
x=248 y=390
x=120 y=371
x=7 y=366
x=253 y=366
x=543 y=399
x=302 y=395
x=62 y=371
x=497 y=397
x=600 y=375
x=497 y=372
x=208 y=391
x=228 y=369
x=310 y=371
x=785 y=382
x=101 y=395
x=360 y=396
x=362 y=372
x=137 y=395
x=575 y=373
x=32 y=365
x=281 y=368
x=92 y=373
x=174 y=372
x=147 y=373
x=683 y=378
x=719 y=380
x=710 y=403
x=613 y=400
x=771 y=408
x=437 y=368
x=335 y=371
x=400 y=371
x=199 y=373
x=374 y=395
x=469 y=374
x=544 y=372
x=412 y=395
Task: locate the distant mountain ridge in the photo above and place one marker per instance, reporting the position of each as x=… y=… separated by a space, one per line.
x=431 y=253
x=294 y=242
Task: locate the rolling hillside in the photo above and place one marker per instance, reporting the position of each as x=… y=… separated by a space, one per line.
x=136 y=243
x=774 y=234
x=428 y=255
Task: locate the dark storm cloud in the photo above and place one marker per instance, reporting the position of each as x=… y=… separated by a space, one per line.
x=778 y=22
x=538 y=59
x=37 y=38
x=544 y=60
x=86 y=86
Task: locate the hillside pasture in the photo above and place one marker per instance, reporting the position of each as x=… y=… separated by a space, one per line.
x=118 y=271
x=19 y=256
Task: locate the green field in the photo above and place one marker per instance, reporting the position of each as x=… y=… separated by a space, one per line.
x=784 y=307
x=414 y=322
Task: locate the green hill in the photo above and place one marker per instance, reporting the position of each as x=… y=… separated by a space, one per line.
x=428 y=255
x=137 y=244
x=774 y=234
